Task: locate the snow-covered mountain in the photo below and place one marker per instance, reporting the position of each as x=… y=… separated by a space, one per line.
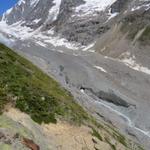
x=61 y=19
x=73 y=23
x=98 y=49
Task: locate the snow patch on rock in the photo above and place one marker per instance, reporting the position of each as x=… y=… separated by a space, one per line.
x=36 y=21
x=16 y=30
x=20 y=2
x=146 y=5
x=33 y=3
x=130 y=61
x=92 y=6
x=55 y=41
x=6 y=40
x=54 y=11
x=100 y=68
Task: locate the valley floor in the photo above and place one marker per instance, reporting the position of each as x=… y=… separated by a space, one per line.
x=89 y=75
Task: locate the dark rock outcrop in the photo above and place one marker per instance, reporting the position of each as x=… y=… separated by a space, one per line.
x=30 y=144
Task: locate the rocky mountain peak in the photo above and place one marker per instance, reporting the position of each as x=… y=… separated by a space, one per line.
x=78 y=22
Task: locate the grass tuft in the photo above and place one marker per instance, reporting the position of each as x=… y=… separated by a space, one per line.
x=96 y=134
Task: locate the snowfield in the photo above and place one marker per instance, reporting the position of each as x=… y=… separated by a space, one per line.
x=54 y=11
x=92 y=6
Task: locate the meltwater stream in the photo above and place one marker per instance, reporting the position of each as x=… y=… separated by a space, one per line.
x=129 y=122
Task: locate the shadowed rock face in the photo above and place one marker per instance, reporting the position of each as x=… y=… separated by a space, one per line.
x=22 y=12
x=118 y=6
x=109 y=97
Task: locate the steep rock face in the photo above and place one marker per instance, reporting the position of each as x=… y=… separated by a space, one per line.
x=45 y=11
x=23 y=9
x=77 y=21
x=83 y=23
x=80 y=21
x=119 y=5
x=128 y=39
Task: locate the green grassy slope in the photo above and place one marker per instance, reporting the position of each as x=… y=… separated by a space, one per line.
x=29 y=89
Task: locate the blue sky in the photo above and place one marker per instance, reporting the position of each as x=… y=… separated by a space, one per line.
x=6 y=4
